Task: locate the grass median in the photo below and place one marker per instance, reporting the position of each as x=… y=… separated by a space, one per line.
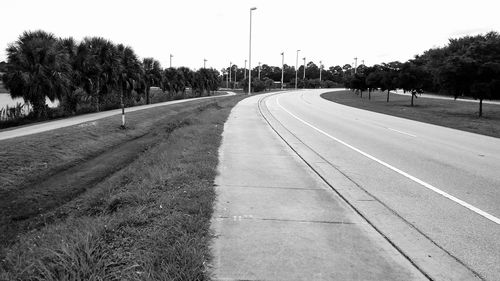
x=448 y=113
x=145 y=218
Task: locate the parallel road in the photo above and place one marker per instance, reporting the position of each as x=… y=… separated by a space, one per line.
x=443 y=184
x=51 y=125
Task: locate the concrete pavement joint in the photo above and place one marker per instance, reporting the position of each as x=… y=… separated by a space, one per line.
x=247 y=217
x=349 y=203
x=274 y=187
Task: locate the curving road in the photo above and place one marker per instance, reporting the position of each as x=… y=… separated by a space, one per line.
x=432 y=191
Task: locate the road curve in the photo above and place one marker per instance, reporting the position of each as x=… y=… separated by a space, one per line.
x=440 y=183
x=51 y=125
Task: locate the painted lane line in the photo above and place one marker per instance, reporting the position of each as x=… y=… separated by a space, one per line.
x=415 y=179
x=401 y=132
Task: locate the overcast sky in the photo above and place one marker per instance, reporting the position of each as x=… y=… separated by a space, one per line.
x=332 y=31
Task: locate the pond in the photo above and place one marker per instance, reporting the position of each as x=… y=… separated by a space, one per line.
x=6 y=100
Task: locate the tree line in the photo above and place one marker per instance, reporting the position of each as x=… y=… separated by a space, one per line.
x=92 y=74
x=465 y=67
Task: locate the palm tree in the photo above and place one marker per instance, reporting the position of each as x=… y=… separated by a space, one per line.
x=37 y=68
x=130 y=72
x=70 y=101
x=97 y=63
x=152 y=75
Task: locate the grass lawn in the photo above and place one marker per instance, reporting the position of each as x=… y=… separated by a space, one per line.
x=93 y=202
x=449 y=113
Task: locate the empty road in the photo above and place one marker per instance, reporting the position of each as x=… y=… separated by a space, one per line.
x=434 y=192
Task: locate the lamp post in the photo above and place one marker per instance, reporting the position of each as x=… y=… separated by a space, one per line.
x=250 y=54
x=282 y=67
x=296 y=68
x=245 y=71
x=259 y=70
x=171 y=56
x=304 y=76
x=320 y=70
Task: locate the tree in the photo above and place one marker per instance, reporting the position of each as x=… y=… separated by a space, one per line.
x=389 y=77
x=130 y=72
x=411 y=79
x=152 y=75
x=97 y=62
x=37 y=68
x=486 y=84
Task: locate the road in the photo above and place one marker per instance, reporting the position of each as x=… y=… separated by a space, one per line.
x=427 y=188
x=440 y=97
x=51 y=125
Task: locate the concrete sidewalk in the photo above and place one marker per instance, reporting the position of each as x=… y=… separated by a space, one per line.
x=277 y=220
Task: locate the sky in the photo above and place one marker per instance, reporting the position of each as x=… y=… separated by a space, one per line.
x=331 y=31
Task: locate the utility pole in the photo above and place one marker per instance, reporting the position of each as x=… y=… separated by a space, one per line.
x=296 y=68
x=171 y=56
x=282 y=67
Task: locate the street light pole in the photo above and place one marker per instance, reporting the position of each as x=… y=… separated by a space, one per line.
x=282 y=67
x=250 y=54
x=296 y=68
x=245 y=71
x=320 y=70
x=259 y=70
x=304 y=68
x=171 y=56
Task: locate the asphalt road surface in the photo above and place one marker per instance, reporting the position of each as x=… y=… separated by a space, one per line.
x=440 y=183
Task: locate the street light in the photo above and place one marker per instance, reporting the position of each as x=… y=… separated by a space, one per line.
x=320 y=68
x=171 y=56
x=304 y=58
x=282 y=67
x=259 y=70
x=250 y=53
x=296 y=68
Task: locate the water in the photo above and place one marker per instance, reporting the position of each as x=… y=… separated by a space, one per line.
x=6 y=100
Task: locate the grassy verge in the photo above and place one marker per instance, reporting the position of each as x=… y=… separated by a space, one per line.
x=453 y=114
x=149 y=220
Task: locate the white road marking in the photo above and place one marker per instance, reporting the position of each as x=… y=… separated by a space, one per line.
x=419 y=181
x=401 y=132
